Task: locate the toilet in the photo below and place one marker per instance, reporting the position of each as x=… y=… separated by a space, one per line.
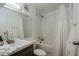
x=39 y=52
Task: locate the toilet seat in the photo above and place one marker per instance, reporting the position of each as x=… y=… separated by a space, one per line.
x=39 y=52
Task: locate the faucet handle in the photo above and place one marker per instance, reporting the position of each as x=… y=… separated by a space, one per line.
x=1 y=38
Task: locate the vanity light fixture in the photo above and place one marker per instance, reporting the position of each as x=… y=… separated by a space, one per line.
x=14 y=6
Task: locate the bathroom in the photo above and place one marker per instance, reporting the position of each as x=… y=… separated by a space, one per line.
x=39 y=29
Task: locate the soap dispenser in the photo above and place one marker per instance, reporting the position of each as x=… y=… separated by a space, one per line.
x=1 y=38
x=1 y=41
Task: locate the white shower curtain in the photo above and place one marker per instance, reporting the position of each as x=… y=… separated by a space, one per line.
x=73 y=36
x=61 y=31
x=72 y=50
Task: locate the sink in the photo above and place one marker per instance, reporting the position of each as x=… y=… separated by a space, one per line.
x=10 y=41
x=7 y=41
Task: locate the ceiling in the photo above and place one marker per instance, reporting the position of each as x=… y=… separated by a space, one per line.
x=46 y=7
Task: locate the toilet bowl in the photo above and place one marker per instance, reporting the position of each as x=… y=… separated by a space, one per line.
x=39 y=52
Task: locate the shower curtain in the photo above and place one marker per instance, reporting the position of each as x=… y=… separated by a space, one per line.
x=72 y=50
x=61 y=31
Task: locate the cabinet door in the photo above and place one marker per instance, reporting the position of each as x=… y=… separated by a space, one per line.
x=28 y=51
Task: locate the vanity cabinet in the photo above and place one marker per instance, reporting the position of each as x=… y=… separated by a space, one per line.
x=28 y=51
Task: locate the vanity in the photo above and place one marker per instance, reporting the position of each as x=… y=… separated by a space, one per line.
x=19 y=48
x=28 y=51
x=16 y=24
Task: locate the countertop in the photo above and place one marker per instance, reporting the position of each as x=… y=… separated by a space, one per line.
x=9 y=49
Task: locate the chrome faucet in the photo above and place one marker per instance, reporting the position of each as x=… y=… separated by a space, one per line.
x=6 y=34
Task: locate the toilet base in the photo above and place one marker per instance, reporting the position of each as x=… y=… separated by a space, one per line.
x=39 y=52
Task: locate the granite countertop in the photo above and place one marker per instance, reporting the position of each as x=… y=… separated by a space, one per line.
x=9 y=49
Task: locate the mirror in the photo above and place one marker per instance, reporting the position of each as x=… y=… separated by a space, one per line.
x=15 y=24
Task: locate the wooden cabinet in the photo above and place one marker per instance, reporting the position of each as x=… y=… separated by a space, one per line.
x=28 y=51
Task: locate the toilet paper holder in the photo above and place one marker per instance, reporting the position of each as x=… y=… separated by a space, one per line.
x=76 y=43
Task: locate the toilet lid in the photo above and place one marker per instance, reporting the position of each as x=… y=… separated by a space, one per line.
x=39 y=52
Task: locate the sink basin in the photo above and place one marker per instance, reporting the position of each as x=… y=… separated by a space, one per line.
x=10 y=41
x=7 y=41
